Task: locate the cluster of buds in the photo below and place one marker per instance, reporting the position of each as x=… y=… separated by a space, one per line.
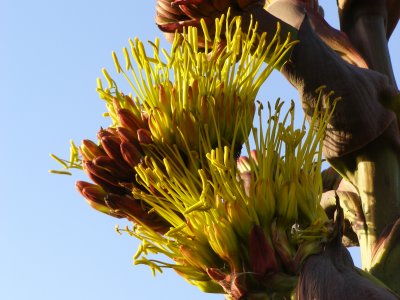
x=176 y=15
x=169 y=163
x=111 y=166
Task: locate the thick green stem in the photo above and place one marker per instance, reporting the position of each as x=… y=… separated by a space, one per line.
x=374 y=171
x=365 y=23
x=365 y=153
x=371 y=28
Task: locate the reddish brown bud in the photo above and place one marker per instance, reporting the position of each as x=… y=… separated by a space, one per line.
x=107 y=163
x=144 y=136
x=80 y=185
x=131 y=153
x=95 y=173
x=136 y=211
x=111 y=145
x=283 y=247
x=95 y=196
x=129 y=120
x=90 y=150
x=126 y=135
x=261 y=253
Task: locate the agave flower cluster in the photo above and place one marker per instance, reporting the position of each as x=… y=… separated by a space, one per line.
x=170 y=163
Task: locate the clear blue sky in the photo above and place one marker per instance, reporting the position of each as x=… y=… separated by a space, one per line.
x=52 y=245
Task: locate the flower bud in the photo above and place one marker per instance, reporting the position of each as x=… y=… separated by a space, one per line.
x=109 y=164
x=90 y=150
x=127 y=135
x=137 y=211
x=144 y=136
x=131 y=154
x=261 y=253
x=95 y=197
x=129 y=120
x=282 y=246
x=102 y=177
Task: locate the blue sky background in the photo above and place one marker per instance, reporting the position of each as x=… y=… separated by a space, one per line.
x=52 y=244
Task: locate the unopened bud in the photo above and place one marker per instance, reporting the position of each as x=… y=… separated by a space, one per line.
x=127 y=135
x=129 y=120
x=131 y=154
x=89 y=150
x=261 y=253
x=144 y=136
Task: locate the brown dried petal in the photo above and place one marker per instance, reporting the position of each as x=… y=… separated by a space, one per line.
x=331 y=275
x=330 y=179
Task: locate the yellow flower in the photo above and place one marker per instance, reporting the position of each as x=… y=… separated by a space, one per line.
x=207 y=95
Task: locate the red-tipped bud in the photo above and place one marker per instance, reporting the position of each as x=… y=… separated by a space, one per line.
x=248 y=183
x=254 y=156
x=243 y=164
